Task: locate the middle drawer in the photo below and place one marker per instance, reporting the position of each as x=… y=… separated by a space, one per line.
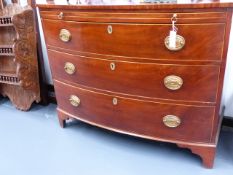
x=197 y=83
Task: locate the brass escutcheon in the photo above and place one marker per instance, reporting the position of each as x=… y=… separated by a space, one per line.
x=65 y=35
x=69 y=68
x=180 y=43
x=61 y=15
x=74 y=101
x=171 y=121
x=112 y=66
x=109 y=29
x=173 y=82
x=114 y=101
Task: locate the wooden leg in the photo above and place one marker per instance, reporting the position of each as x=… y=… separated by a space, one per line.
x=62 y=122
x=207 y=153
x=62 y=118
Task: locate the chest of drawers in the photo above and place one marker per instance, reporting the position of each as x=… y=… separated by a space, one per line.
x=113 y=67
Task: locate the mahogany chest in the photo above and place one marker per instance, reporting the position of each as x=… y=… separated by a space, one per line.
x=149 y=70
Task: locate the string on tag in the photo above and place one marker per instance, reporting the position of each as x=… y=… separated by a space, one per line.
x=173 y=32
x=174 y=28
x=174 y=20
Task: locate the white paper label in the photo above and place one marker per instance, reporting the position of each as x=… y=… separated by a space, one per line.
x=172 y=41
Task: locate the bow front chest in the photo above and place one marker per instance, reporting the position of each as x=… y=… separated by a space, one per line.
x=149 y=70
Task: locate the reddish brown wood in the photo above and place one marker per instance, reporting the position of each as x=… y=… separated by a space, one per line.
x=136 y=46
x=138 y=40
x=140 y=79
x=136 y=59
x=146 y=120
x=147 y=18
x=207 y=153
x=62 y=118
x=18 y=57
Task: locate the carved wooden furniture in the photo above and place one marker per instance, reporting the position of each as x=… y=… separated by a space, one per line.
x=115 y=66
x=18 y=56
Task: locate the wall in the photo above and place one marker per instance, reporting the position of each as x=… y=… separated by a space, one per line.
x=45 y=55
x=227 y=98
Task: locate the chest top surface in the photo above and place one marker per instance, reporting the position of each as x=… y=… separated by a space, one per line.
x=133 y=4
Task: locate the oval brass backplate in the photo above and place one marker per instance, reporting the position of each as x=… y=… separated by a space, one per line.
x=180 y=43
x=65 y=35
x=69 y=68
x=171 y=121
x=74 y=100
x=173 y=82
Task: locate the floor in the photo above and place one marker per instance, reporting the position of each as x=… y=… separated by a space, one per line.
x=32 y=143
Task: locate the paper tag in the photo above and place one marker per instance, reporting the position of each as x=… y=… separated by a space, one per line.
x=172 y=39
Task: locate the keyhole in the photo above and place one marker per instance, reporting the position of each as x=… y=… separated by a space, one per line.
x=109 y=29
x=112 y=66
x=114 y=101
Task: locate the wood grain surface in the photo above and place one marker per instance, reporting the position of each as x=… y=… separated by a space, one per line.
x=138 y=40
x=146 y=120
x=136 y=48
x=139 y=79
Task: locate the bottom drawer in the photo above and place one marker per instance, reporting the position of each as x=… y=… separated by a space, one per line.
x=143 y=118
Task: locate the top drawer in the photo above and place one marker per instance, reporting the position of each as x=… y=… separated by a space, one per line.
x=147 y=17
x=202 y=41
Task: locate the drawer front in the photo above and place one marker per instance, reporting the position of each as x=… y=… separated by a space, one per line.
x=140 y=79
x=189 y=123
x=137 y=40
x=135 y=17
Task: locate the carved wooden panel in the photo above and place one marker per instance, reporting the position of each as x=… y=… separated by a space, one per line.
x=18 y=55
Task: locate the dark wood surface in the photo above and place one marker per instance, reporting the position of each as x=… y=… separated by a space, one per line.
x=154 y=17
x=207 y=153
x=146 y=120
x=138 y=40
x=136 y=46
x=139 y=79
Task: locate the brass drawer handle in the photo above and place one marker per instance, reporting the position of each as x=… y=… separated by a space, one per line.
x=173 y=82
x=65 y=35
x=114 y=101
x=171 y=121
x=180 y=43
x=109 y=29
x=112 y=66
x=74 y=100
x=69 y=68
x=61 y=15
